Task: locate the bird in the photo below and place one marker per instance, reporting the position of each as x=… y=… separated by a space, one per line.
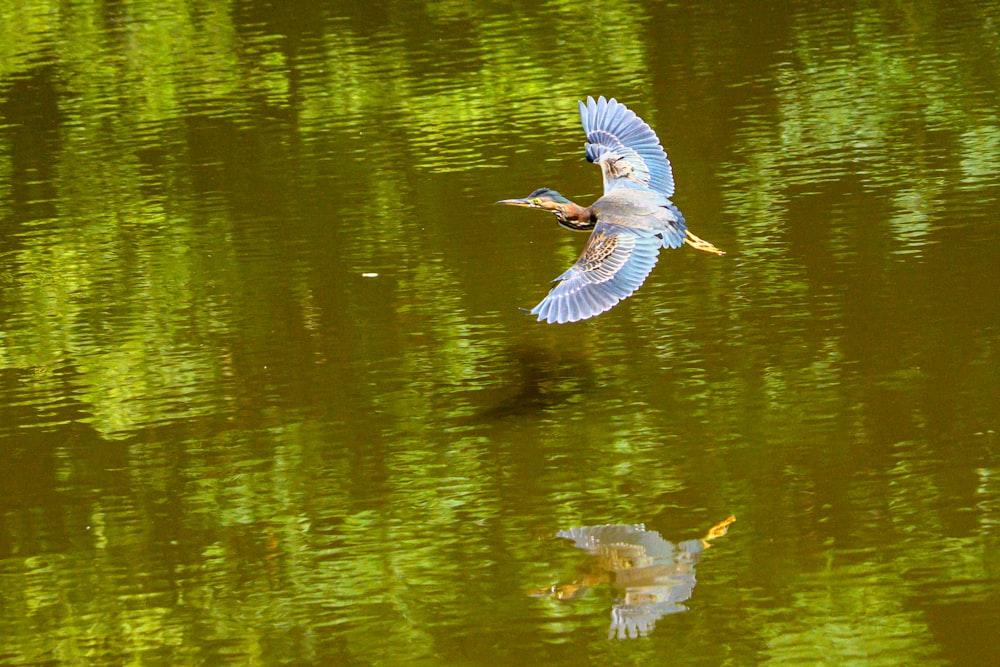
x=653 y=576
x=628 y=224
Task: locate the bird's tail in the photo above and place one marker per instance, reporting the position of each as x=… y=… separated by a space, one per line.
x=701 y=244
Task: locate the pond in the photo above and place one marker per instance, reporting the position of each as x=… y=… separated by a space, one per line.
x=268 y=394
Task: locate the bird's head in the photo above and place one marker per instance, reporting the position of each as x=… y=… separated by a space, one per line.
x=570 y=215
x=550 y=200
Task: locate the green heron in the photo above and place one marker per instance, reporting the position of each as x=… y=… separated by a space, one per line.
x=630 y=222
x=655 y=577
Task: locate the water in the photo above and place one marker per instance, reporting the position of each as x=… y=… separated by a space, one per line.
x=266 y=395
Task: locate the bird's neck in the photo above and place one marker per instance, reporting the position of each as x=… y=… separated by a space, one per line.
x=576 y=217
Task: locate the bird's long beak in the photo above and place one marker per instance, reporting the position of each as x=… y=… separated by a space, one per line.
x=517 y=202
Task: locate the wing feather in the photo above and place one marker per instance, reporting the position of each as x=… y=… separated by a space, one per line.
x=614 y=263
x=626 y=148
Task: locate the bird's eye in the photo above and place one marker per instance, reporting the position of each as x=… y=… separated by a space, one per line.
x=536 y=200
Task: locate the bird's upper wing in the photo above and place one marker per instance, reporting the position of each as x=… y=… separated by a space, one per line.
x=626 y=147
x=614 y=263
x=596 y=539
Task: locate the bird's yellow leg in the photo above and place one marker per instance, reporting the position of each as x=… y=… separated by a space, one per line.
x=716 y=531
x=701 y=244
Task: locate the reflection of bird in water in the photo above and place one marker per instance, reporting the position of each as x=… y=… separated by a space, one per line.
x=630 y=222
x=654 y=575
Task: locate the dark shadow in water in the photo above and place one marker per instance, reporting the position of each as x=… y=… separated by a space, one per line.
x=652 y=576
x=538 y=379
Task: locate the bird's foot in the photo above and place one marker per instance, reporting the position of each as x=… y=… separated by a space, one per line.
x=717 y=531
x=701 y=244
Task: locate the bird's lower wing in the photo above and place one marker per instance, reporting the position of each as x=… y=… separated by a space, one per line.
x=614 y=263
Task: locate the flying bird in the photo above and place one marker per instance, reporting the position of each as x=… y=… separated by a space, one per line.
x=654 y=577
x=630 y=222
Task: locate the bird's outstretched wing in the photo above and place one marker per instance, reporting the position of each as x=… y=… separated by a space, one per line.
x=614 y=263
x=626 y=147
x=599 y=539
